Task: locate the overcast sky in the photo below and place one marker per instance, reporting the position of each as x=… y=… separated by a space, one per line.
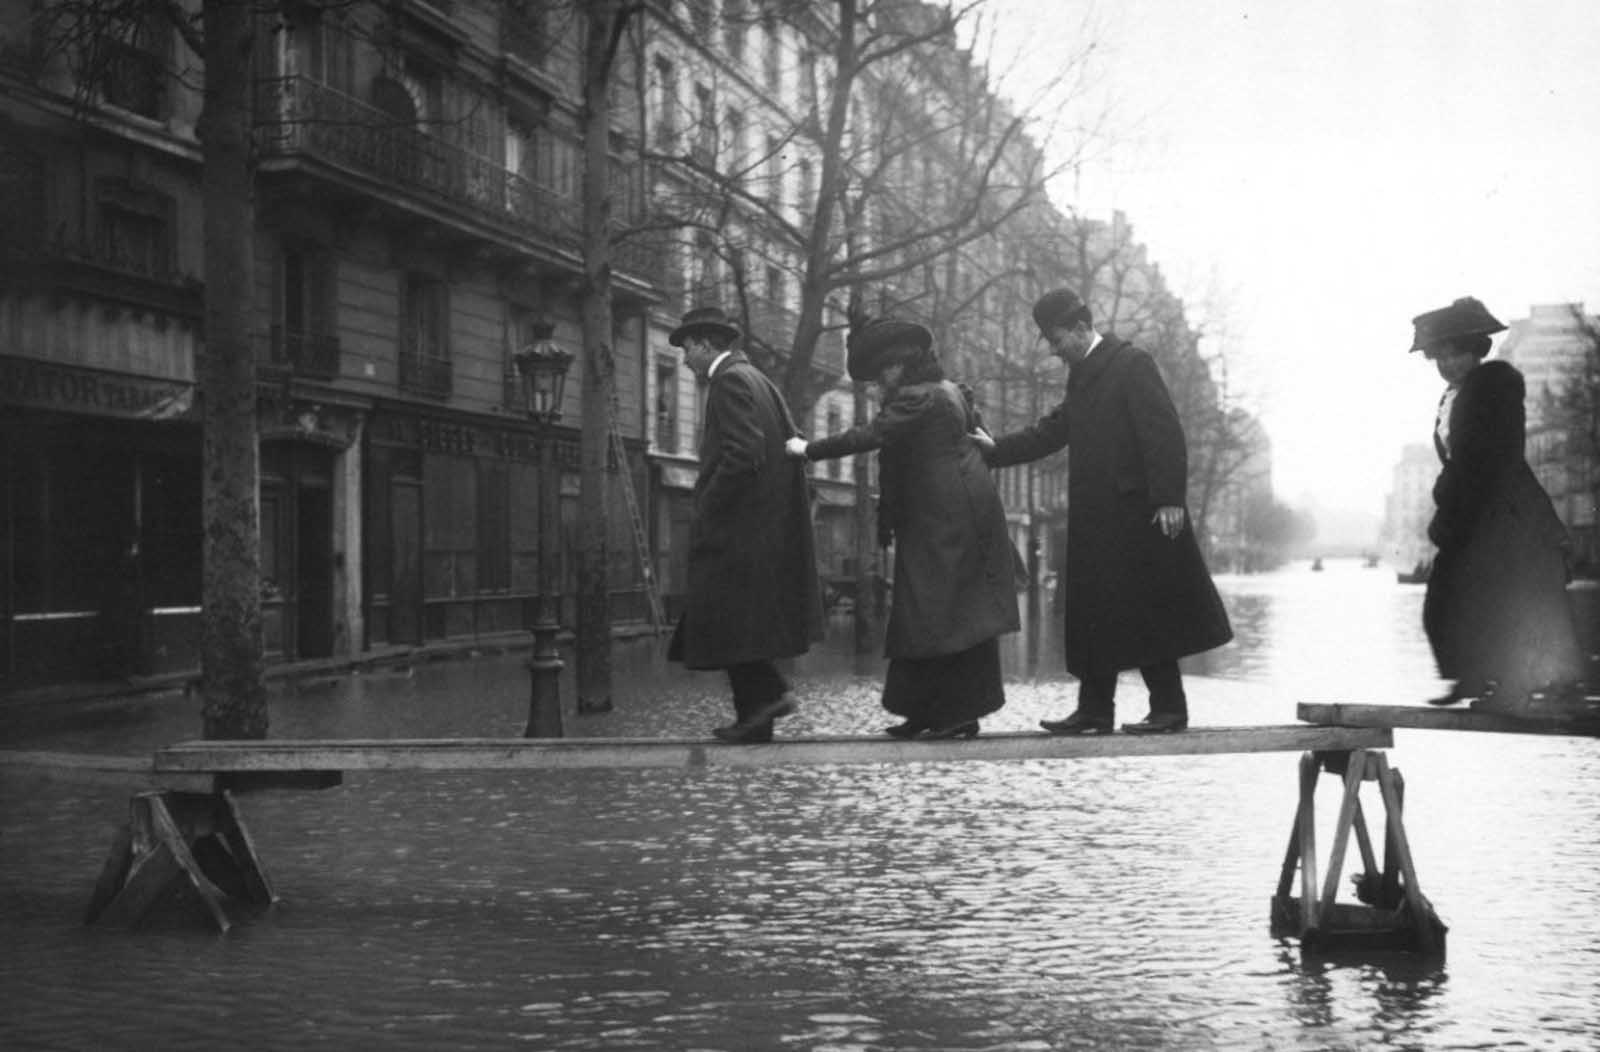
x=1310 y=174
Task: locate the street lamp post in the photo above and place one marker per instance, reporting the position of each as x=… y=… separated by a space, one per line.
x=543 y=368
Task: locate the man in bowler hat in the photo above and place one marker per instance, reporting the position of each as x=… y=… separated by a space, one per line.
x=1138 y=594
x=753 y=594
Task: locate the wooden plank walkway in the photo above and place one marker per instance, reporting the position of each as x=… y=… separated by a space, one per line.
x=190 y=832
x=1582 y=723
x=477 y=754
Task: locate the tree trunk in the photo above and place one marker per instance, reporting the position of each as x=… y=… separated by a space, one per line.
x=599 y=369
x=232 y=683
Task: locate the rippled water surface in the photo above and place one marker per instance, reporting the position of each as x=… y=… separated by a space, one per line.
x=1008 y=906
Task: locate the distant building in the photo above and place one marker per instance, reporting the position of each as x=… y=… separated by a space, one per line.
x=1410 y=506
x=1554 y=349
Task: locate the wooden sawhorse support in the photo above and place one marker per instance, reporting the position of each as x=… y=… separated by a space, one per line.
x=193 y=839
x=1395 y=914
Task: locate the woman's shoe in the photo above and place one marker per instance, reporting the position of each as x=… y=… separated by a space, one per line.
x=904 y=731
x=1460 y=692
x=958 y=730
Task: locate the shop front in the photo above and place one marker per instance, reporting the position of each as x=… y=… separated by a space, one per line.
x=451 y=520
x=99 y=524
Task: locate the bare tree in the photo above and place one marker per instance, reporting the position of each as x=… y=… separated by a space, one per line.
x=89 y=38
x=899 y=158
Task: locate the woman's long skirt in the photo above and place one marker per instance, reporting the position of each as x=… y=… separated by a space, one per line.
x=946 y=690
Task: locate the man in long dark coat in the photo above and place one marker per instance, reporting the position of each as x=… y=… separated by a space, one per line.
x=753 y=595
x=1138 y=594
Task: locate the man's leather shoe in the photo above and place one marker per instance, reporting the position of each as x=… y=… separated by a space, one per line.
x=1078 y=723
x=1157 y=723
x=904 y=731
x=744 y=733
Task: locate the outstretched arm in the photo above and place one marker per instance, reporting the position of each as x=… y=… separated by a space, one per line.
x=1043 y=438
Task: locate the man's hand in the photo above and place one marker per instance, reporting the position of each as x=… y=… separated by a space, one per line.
x=982 y=439
x=796 y=447
x=1169 y=520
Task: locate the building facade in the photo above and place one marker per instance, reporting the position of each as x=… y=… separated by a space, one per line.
x=417 y=222
x=1555 y=349
x=419 y=165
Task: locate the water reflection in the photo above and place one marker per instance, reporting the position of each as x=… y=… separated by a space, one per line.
x=1101 y=904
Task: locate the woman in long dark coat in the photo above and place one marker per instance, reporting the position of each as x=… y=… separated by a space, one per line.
x=954 y=590
x=1496 y=609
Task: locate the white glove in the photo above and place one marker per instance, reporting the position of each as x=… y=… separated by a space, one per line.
x=982 y=439
x=796 y=447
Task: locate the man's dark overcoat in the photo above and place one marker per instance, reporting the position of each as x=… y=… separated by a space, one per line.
x=753 y=591
x=1133 y=596
x=954 y=584
x=1496 y=606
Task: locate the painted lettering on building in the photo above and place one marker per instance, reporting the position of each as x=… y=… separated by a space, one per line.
x=67 y=388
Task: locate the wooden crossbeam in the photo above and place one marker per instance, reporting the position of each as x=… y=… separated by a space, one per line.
x=463 y=754
x=1581 y=721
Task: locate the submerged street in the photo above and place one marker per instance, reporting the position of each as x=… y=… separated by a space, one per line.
x=1116 y=903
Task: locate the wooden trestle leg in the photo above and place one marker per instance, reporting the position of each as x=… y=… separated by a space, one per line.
x=179 y=837
x=1394 y=914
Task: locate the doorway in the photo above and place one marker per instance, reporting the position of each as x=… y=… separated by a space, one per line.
x=297 y=557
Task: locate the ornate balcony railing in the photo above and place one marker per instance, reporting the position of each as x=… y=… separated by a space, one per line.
x=310 y=354
x=145 y=278
x=425 y=374
x=299 y=116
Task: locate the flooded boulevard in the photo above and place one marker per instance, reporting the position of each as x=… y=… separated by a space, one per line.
x=1099 y=904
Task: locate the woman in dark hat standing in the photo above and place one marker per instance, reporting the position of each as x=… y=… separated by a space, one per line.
x=954 y=592
x=1496 y=609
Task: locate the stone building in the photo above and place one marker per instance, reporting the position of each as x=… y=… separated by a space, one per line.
x=416 y=196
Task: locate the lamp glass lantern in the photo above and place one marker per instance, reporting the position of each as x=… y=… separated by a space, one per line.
x=543 y=367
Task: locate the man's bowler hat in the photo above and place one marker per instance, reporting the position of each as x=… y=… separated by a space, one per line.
x=704 y=321
x=1059 y=307
x=868 y=345
x=1467 y=316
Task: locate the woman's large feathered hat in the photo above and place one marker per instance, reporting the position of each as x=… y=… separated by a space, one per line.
x=1467 y=316
x=868 y=347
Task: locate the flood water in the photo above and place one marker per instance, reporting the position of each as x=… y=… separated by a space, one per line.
x=1025 y=906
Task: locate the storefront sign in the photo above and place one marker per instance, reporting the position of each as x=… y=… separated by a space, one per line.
x=73 y=389
x=463 y=439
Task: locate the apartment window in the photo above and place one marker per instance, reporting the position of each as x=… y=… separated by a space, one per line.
x=835 y=425
x=667 y=405
x=808 y=81
x=667 y=104
x=774 y=171
x=303 y=338
x=332 y=55
x=706 y=286
x=700 y=15
x=734 y=166
x=424 y=335
x=525 y=32
x=22 y=187
x=705 y=147
x=772 y=55
x=132 y=60
x=775 y=286
x=734 y=24
x=135 y=230
x=807 y=189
